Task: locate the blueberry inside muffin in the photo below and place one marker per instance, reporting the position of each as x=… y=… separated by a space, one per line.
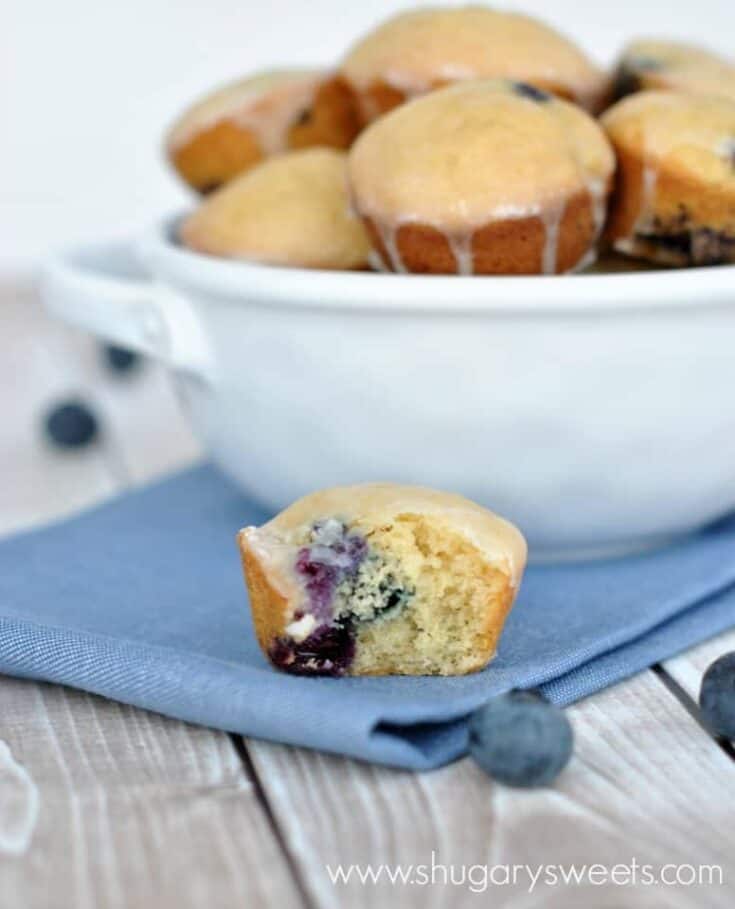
x=348 y=583
x=674 y=199
x=673 y=66
x=381 y=579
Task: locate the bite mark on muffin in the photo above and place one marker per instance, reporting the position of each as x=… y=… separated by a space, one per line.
x=347 y=583
x=379 y=579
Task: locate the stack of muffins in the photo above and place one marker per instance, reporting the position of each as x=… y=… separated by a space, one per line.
x=465 y=141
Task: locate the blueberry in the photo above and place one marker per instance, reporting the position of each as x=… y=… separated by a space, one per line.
x=327 y=651
x=717 y=696
x=520 y=739
x=304 y=117
x=320 y=580
x=645 y=64
x=531 y=92
x=71 y=425
x=119 y=359
x=327 y=561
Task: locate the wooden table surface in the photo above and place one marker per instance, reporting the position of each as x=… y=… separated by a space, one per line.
x=104 y=805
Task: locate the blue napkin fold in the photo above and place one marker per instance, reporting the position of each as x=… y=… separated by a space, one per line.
x=142 y=600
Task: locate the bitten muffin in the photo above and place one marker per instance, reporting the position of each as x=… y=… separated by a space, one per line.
x=421 y=50
x=381 y=579
x=670 y=65
x=289 y=210
x=485 y=177
x=674 y=202
x=237 y=126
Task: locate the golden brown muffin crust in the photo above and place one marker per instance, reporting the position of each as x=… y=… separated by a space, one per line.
x=332 y=119
x=459 y=564
x=422 y=49
x=291 y=210
x=236 y=126
x=674 y=66
x=674 y=200
x=482 y=177
x=216 y=155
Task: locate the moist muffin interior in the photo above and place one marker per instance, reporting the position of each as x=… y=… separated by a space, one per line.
x=406 y=596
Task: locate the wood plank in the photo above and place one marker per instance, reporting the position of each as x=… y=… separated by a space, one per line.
x=36 y=370
x=645 y=783
x=102 y=804
x=144 y=422
x=133 y=810
x=144 y=432
x=688 y=668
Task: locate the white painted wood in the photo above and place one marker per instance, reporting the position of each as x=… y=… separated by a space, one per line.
x=645 y=783
x=103 y=805
x=147 y=434
x=144 y=433
x=688 y=668
x=18 y=804
x=37 y=368
x=135 y=810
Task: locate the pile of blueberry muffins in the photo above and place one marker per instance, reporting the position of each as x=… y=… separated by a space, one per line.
x=467 y=141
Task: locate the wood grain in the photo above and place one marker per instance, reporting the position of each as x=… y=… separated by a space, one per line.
x=103 y=805
x=644 y=784
x=688 y=668
x=36 y=370
x=135 y=810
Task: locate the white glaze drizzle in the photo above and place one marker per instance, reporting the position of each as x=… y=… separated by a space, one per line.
x=375 y=261
x=648 y=191
x=551 y=219
x=461 y=246
x=649 y=176
x=588 y=259
x=412 y=87
x=598 y=194
x=267 y=113
x=461 y=243
x=270 y=123
x=389 y=239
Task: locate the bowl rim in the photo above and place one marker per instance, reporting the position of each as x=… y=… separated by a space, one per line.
x=589 y=293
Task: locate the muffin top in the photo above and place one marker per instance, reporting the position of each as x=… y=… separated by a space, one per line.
x=678 y=130
x=415 y=51
x=674 y=65
x=372 y=504
x=266 y=103
x=475 y=152
x=292 y=210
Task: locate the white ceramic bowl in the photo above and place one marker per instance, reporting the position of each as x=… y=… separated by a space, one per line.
x=596 y=411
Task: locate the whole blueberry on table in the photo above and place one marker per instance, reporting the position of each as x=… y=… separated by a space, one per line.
x=71 y=425
x=521 y=739
x=717 y=696
x=120 y=359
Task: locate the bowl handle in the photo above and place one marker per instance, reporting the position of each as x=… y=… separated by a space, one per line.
x=104 y=290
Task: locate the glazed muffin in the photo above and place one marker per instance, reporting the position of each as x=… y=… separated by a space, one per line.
x=381 y=579
x=674 y=201
x=421 y=50
x=485 y=177
x=670 y=65
x=237 y=126
x=289 y=210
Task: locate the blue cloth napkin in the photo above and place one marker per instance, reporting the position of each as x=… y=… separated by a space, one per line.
x=142 y=600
